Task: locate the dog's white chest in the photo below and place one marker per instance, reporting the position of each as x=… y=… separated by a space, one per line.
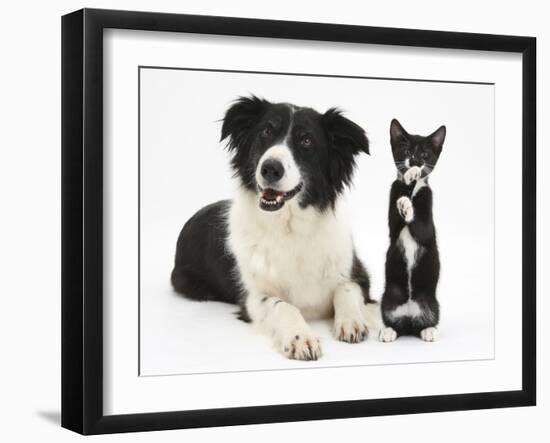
x=298 y=256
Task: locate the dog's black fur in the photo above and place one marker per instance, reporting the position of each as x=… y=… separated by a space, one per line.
x=323 y=146
x=419 y=151
x=204 y=269
x=253 y=125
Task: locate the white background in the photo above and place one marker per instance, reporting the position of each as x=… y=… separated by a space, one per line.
x=30 y=180
x=127 y=393
x=184 y=167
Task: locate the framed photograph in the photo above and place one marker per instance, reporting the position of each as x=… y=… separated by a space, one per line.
x=269 y=221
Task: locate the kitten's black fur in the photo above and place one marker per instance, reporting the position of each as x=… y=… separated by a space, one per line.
x=412 y=153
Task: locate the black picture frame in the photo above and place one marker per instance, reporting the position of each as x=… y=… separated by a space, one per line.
x=82 y=220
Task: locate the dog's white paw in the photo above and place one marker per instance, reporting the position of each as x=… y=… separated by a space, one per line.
x=301 y=346
x=350 y=330
x=412 y=174
x=387 y=335
x=429 y=334
x=405 y=208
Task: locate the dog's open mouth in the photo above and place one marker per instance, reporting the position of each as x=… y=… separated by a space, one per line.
x=273 y=200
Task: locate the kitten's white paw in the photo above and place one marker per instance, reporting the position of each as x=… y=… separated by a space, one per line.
x=350 y=330
x=429 y=334
x=387 y=335
x=301 y=346
x=405 y=208
x=412 y=174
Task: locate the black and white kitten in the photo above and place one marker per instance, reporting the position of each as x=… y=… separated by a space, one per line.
x=409 y=304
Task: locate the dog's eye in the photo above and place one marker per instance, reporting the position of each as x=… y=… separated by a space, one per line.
x=307 y=142
x=268 y=131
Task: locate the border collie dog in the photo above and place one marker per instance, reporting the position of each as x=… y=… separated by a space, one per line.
x=282 y=248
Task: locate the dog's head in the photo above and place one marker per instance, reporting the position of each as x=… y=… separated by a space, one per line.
x=283 y=152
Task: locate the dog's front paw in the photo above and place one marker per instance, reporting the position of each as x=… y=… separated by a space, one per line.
x=405 y=208
x=301 y=346
x=429 y=334
x=350 y=330
x=387 y=335
x=412 y=174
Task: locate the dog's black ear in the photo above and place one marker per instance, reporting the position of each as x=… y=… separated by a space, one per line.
x=241 y=116
x=346 y=139
x=345 y=134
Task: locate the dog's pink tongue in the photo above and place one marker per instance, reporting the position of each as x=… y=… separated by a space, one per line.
x=271 y=194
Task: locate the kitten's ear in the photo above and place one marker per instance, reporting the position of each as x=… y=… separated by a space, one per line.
x=397 y=132
x=241 y=116
x=437 y=138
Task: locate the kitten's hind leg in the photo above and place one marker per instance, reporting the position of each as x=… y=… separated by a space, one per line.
x=428 y=318
x=429 y=334
x=387 y=335
x=393 y=297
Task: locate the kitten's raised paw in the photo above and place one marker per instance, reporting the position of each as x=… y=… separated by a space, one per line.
x=412 y=174
x=350 y=331
x=429 y=334
x=405 y=208
x=387 y=335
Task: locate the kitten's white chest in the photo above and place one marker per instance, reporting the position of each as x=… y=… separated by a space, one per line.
x=411 y=252
x=409 y=247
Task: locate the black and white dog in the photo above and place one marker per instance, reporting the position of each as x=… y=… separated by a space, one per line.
x=282 y=248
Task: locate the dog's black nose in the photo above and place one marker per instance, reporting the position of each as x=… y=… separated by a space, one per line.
x=272 y=170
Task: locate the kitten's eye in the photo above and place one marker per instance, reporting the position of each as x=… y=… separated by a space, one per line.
x=307 y=142
x=424 y=155
x=268 y=131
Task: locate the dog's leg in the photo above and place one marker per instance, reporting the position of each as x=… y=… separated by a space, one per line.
x=291 y=334
x=350 y=324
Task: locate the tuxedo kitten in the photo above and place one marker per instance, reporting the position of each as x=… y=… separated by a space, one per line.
x=409 y=305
